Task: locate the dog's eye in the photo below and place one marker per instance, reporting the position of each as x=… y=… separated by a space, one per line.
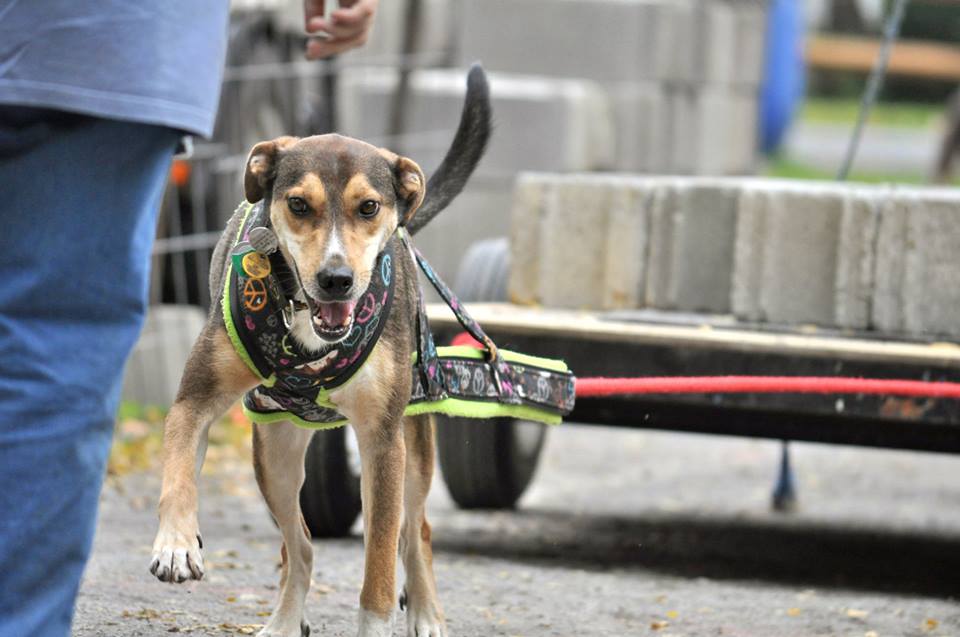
x=298 y=206
x=369 y=208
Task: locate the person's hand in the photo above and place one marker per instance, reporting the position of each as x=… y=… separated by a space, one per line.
x=346 y=28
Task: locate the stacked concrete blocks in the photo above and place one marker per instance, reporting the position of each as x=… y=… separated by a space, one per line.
x=541 y=124
x=603 y=40
x=682 y=75
x=842 y=256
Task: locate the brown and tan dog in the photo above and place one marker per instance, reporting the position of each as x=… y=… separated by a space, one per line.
x=334 y=203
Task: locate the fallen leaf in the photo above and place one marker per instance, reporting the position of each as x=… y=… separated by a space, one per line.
x=930 y=624
x=871 y=633
x=672 y=614
x=857 y=614
x=143 y=613
x=658 y=625
x=793 y=612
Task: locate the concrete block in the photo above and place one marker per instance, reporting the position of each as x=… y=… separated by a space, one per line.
x=572 y=243
x=918 y=263
x=713 y=131
x=887 y=311
x=541 y=124
x=601 y=40
x=152 y=375
x=683 y=131
x=749 y=43
x=856 y=252
x=642 y=120
x=627 y=241
x=714 y=42
x=786 y=253
x=748 y=253
x=530 y=197
x=691 y=254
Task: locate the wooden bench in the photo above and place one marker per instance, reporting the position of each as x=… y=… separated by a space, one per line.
x=913 y=58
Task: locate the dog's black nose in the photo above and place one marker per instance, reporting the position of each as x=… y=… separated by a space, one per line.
x=336 y=281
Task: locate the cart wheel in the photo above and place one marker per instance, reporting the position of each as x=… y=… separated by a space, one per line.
x=330 y=496
x=487 y=464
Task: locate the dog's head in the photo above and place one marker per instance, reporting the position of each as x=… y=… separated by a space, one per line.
x=334 y=203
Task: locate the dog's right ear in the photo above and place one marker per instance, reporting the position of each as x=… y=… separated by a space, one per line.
x=261 y=166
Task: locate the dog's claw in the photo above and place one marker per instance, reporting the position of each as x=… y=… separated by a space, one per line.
x=403 y=599
x=176 y=560
x=304 y=628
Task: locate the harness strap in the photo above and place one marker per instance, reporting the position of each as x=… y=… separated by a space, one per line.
x=497 y=367
x=428 y=373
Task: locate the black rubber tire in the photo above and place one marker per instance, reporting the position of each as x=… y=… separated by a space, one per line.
x=487 y=464
x=330 y=497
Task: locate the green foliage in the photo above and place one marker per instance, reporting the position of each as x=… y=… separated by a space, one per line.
x=844 y=111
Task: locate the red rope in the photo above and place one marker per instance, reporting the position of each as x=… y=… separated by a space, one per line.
x=593 y=387
x=763 y=385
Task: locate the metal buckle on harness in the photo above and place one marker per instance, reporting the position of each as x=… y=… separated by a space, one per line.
x=493 y=359
x=288 y=321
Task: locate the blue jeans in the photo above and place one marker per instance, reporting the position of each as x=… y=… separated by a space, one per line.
x=78 y=204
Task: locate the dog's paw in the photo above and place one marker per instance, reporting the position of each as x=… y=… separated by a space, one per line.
x=425 y=622
x=273 y=631
x=373 y=625
x=176 y=556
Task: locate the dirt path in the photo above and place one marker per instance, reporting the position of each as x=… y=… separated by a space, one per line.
x=623 y=533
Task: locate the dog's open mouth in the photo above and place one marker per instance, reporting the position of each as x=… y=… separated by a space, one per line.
x=332 y=321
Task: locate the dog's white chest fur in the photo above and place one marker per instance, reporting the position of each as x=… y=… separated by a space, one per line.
x=364 y=400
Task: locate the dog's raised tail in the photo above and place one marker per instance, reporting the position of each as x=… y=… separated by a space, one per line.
x=464 y=154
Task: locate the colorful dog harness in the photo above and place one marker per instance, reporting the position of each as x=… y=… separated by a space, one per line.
x=258 y=310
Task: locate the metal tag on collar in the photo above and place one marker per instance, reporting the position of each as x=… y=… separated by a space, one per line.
x=263 y=240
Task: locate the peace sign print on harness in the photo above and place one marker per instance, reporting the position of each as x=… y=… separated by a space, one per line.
x=254 y=295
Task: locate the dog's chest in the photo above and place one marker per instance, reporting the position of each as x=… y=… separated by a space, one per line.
x=365 y=400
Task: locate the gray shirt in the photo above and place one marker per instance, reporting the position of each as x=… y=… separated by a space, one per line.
x=151 y=61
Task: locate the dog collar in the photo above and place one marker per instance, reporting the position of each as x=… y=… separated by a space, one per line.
x=258 y=310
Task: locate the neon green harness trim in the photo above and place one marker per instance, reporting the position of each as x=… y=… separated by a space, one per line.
x=228 y=315
x=447 y=406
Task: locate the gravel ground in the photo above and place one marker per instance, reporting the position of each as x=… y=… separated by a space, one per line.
x=622 y=533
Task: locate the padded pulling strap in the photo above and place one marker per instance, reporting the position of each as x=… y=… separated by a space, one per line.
x=487 y=379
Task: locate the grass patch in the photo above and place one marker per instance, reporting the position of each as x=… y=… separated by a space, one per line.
x=784 y=168
x=844 y=111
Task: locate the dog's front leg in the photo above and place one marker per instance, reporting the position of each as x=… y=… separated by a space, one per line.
x=382 y=467
x=424 y=614
x=213 y=379
x=278 y=451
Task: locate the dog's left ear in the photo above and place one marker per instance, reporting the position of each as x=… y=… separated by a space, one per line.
x=410 y=184
x=261 y=166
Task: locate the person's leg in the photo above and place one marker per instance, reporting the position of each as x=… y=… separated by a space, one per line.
x=78 y=202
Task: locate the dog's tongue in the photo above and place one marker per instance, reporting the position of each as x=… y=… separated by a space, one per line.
x=336 y=314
